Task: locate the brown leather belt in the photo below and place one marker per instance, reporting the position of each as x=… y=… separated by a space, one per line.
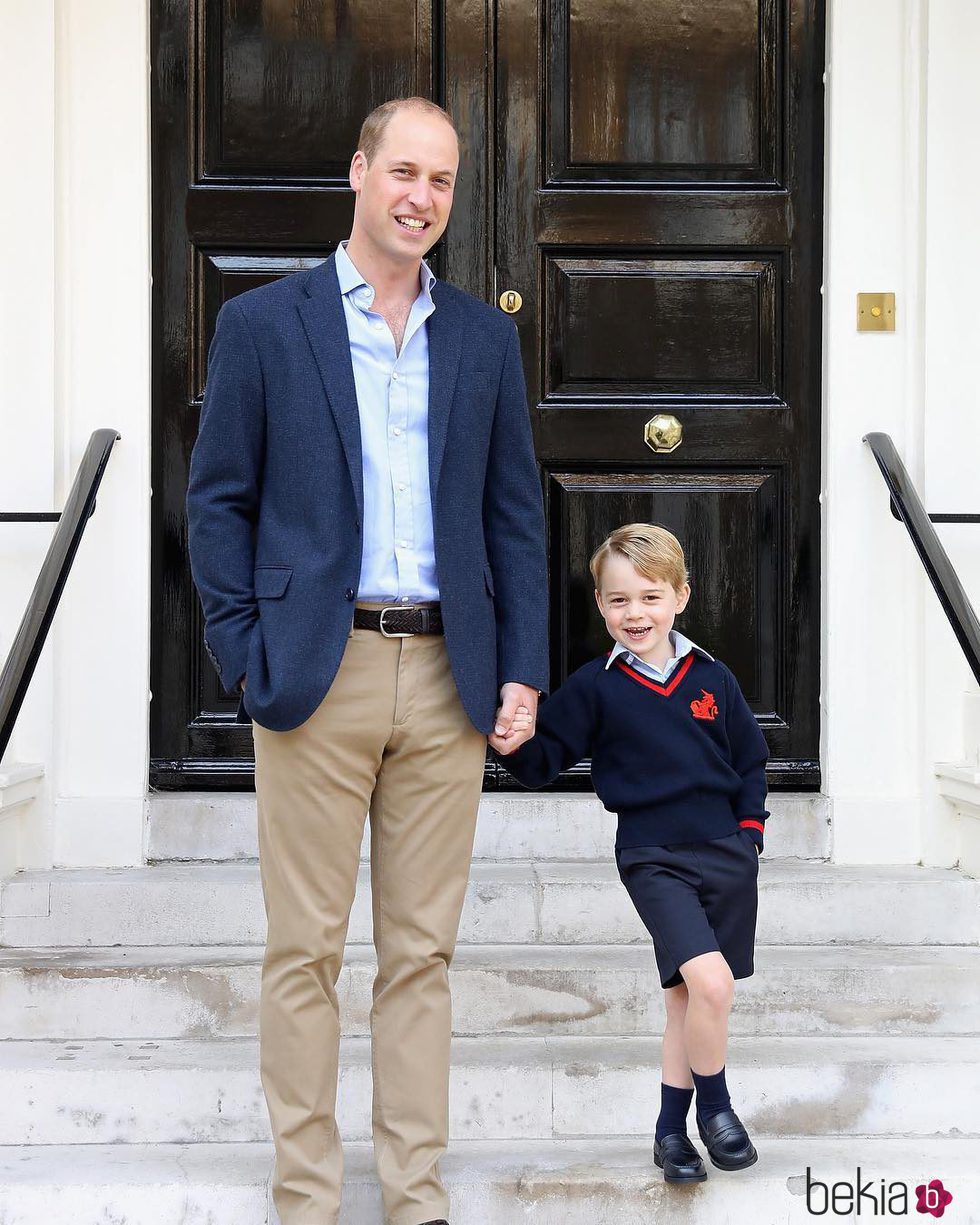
x=397 y=621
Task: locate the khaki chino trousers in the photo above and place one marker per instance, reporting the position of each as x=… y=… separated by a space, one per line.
x=391 y=737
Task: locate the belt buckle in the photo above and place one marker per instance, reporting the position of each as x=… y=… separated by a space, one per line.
x=381 y=622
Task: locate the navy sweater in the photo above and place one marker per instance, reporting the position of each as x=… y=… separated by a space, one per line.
x=681 y=762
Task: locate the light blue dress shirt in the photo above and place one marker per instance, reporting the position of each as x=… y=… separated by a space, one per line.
x=398 y=562
x=682 y=646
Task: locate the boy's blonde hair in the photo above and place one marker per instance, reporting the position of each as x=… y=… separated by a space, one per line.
x=653 y=552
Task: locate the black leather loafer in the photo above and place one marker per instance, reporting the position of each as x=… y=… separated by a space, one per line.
x=727 y=1141
x=679 y=1159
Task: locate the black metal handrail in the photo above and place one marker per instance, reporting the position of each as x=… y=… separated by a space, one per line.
x=907 y=506
x=26 y=649
x=21 y=516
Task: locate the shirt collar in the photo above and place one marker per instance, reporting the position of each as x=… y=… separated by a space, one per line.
x=682 y=646
x=350 y=279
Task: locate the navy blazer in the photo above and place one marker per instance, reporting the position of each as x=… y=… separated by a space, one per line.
x=275 y=499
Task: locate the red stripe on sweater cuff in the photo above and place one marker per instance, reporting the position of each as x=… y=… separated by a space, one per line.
x=753 y=825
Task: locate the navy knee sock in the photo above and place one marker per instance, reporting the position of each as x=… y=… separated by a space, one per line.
x=674 y=1105
x=712 y=1095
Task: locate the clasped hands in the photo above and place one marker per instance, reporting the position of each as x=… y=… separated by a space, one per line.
x=514 y=721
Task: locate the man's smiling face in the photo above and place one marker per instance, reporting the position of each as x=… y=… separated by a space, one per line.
x=405 y=194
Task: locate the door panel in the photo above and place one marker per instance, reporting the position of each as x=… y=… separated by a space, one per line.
x=256 y=109
x=724 y=520
x=658 y=201
x=646 y=173
x=648 y=92
x=729 y=307
x=266 y=69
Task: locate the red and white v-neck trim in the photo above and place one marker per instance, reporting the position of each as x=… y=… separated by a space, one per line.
x=665 y=690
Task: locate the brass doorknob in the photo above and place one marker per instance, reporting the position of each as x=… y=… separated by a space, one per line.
x=511 y=301
x=663 y=433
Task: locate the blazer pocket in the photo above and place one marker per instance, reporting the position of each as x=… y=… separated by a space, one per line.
x=488 y=577
x=271 y=581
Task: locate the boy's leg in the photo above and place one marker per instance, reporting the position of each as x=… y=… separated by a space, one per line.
x=672 y=888
x=677 y=1088
x=711 y=989
x=676 y=1062
x=673 y=1152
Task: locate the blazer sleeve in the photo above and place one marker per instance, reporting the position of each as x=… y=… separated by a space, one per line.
x=564 y=734
x=223 y=493
x=513 y=517
x=749 y=756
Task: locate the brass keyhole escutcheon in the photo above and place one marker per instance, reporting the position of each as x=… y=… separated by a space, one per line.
x=511 y=301
x=663 y=433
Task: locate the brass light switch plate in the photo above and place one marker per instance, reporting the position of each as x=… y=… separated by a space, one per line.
x=876 y=312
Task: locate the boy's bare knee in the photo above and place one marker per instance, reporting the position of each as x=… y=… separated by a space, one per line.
x=710 y=981
x=718 y=992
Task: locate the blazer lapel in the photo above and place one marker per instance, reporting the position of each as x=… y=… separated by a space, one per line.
x=445 y=341
x=323 y=319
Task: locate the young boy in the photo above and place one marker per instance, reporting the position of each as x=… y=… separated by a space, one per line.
x=678 y=755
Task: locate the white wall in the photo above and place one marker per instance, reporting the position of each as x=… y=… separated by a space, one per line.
x=78 y=355
x=951 y=392
x=902 y=103
x=873 y=592
x=27 y=343
x=102 y=644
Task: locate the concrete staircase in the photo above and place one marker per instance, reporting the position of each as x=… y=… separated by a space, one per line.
x=128 y=1006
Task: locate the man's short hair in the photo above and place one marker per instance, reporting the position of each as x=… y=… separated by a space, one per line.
x=652 y=551
x=373 y=128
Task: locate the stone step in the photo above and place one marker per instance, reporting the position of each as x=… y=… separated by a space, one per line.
x=585 y=990
x=516 y=903
x=532 y=1182
x=511 y=1088
x=202 y=826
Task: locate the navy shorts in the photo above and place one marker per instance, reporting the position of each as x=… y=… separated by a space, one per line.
x=694 y=898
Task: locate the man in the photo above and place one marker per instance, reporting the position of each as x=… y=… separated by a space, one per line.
x=366 y=534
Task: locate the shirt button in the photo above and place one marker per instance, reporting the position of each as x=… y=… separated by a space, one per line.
x=404 y=544
x=396 y=431
x=377 y=326
x=405 y=599
x=394 y=375
x=349 y=593
x=402 y=488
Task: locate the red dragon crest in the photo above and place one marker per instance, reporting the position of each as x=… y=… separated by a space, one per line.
x=704 y=707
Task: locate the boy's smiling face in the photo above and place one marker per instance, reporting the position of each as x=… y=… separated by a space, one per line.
x=639 y=612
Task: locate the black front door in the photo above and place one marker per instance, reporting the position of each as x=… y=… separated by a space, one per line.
x=646 y=174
